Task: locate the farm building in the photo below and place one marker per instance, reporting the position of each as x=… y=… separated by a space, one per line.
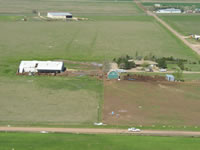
x=113 y=74
x=169 y=10
x=41 y=66
x=59 y=15
x=170 y=77
x=139 y=63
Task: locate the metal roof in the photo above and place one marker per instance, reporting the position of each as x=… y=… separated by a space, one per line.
x=33 y=66
x=60 y=13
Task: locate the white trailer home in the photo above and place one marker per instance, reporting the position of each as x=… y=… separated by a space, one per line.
x=59 y=15
x=41 y=67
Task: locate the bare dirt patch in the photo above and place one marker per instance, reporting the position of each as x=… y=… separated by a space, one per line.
x=151 y=103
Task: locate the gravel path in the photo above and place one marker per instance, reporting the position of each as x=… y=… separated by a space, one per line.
x=100 y=131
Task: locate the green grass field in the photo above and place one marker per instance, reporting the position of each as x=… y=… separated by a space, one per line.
x=49 y=100
x=28 y=141
x=185 y=25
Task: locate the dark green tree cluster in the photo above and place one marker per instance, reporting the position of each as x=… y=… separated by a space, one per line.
x=124 y=62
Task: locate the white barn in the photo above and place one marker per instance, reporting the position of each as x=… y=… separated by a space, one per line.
x=168 y=11
x=59 y=15
x=41 y=66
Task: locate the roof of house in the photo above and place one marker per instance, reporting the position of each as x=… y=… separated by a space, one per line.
x=140 y=62
x=60 y=13
x=169 y=9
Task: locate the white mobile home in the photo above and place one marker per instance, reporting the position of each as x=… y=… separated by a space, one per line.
x=169 y=11
x=59 y=15
x=41 y=66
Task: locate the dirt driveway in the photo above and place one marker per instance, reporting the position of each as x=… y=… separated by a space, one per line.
x=99 y=131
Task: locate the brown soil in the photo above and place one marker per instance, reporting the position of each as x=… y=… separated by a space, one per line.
x=151 y=103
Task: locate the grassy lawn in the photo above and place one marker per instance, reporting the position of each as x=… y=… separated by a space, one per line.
x=188 y=24
x=28 y=141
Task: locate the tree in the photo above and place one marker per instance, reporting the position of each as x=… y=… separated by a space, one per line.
x=181 y=65
x=178 y=74
x=162 y=63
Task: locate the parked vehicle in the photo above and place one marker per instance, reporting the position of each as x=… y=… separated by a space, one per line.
x=133 y=130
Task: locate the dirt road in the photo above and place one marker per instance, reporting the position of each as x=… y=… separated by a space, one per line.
x=99 y=131
x=194 y=47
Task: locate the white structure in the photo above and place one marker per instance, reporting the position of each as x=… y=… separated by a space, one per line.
x=59 y=15
x=168 y=11
x=157 y=5
x=41 y=66
x=197 y=37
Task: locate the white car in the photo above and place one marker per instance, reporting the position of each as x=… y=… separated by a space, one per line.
x=133 y=130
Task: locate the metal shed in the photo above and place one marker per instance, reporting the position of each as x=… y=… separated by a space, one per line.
x=59 y=15
x=170 y=77
x=113 y=74
x=41 y=66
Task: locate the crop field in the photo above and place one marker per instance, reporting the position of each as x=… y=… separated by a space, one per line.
x=188 y=24
x=52 y=141
x=151 y=103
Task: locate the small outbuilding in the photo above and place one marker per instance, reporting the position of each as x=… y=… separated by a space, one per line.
x=59 y=15
x=170 y=77
x=113 y=74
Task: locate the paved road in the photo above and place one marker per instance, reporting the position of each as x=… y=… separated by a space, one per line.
x=194 y=47
x=100 y=131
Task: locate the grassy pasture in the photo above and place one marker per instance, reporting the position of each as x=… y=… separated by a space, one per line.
x=147 y=104
x=49 y=100
x=82 y=7
x=61 y=40
x=163 y=3
x=185 y=25
x=27 y=141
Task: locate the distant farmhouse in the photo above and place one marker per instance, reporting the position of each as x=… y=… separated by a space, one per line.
x=41 y=67
x=168 y=11
x=59 y=15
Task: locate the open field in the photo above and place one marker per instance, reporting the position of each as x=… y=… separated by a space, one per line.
x=151 y=103
x=26 y=141
x=113 y=29
x=185 y=25
x=49 y=100
x=81 y=7
x=173 y=1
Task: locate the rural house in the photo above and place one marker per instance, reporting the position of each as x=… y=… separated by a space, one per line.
x=59 y=15
x=41 y=66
